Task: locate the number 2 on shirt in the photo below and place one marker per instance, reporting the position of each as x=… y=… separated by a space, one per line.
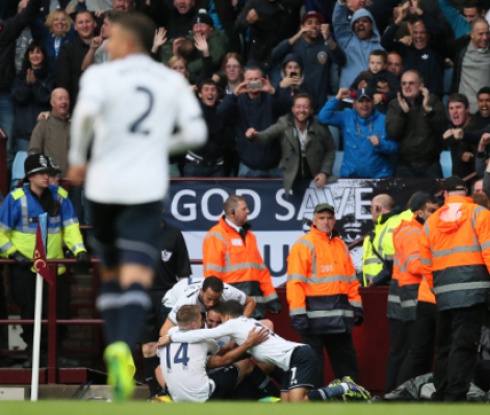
x=135 y=126
x=180 y=355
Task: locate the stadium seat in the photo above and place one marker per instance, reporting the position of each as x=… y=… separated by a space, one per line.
x=18 y=168
x=339 y=155
x=446 y=163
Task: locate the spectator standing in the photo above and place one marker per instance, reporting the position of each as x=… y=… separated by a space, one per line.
x=57 y=30
x=456 y=263
x=31 y=92
x=11 y=29
x=269 y=23
x=323 y=295
x=461 y=23
x=307 y=147
x=379 y=83
x=256 y=104
x=462 y=151
x=357 y=38
x=471 y=57
x=366 y=144
x=51 y=136
x=416 y=120
x=421 y=51
x=318 y=53
x=72 y=53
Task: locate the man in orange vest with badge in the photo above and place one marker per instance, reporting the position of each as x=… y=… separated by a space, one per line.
x=455 y=257
x=230 y=252
x=323 y=295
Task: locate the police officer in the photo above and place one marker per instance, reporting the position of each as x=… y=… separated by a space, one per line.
x=18 y=224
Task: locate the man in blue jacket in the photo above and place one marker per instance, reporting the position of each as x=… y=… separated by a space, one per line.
x=366 y=146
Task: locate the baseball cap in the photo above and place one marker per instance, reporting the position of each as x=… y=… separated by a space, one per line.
x=453 y=183
x=313 y=13
x=363 y=93
x=203 y=17
x=324 y=206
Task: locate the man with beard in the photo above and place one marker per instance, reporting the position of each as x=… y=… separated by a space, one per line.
x=208 y=161
x=318 y=52
x=308 y=150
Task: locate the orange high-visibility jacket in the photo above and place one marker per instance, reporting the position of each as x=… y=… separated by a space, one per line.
x=237 y=262
x=425 y=293
x=394 y=307
x=322 y=284
x=407 y=248
x=455 y=253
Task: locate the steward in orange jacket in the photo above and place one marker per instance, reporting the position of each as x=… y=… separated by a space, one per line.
x=230 y=252
x=418 y=316
x=455 y=257
x=323 y=294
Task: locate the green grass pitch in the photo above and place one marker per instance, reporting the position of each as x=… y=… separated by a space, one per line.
x=236 y=408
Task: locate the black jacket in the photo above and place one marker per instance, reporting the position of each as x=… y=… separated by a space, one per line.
x=10 y=29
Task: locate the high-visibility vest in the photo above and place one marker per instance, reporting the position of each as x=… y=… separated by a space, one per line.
x=322 y=283
x=237 y=262
x=18 y=225
x=455 y=253
x=382 y=241
x=408 y=252
x=425 y=294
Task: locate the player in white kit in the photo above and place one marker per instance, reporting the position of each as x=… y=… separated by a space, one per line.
x=206 y=294
x=297 y=360
x=184 y=366
x=132 y=107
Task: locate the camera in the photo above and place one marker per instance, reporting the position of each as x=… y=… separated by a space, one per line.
x=254 y=85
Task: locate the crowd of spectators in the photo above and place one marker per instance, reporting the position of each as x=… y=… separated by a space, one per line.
x=416 y=74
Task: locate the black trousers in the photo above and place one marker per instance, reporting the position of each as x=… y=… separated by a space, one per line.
x=23 y=285
x=421 y=352
x=341 y=353
x=399 y=334
x=457 y=338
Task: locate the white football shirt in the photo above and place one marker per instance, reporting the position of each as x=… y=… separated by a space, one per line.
x=192 y=297
x=274 y=350
x=184 y=369
x=132 y=107
x=180 y=289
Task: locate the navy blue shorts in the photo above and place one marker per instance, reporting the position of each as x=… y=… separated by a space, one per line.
x=127 y=234
x=225 y=381
x=302 y=369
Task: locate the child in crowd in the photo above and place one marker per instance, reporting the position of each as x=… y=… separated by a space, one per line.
x=378 y=81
